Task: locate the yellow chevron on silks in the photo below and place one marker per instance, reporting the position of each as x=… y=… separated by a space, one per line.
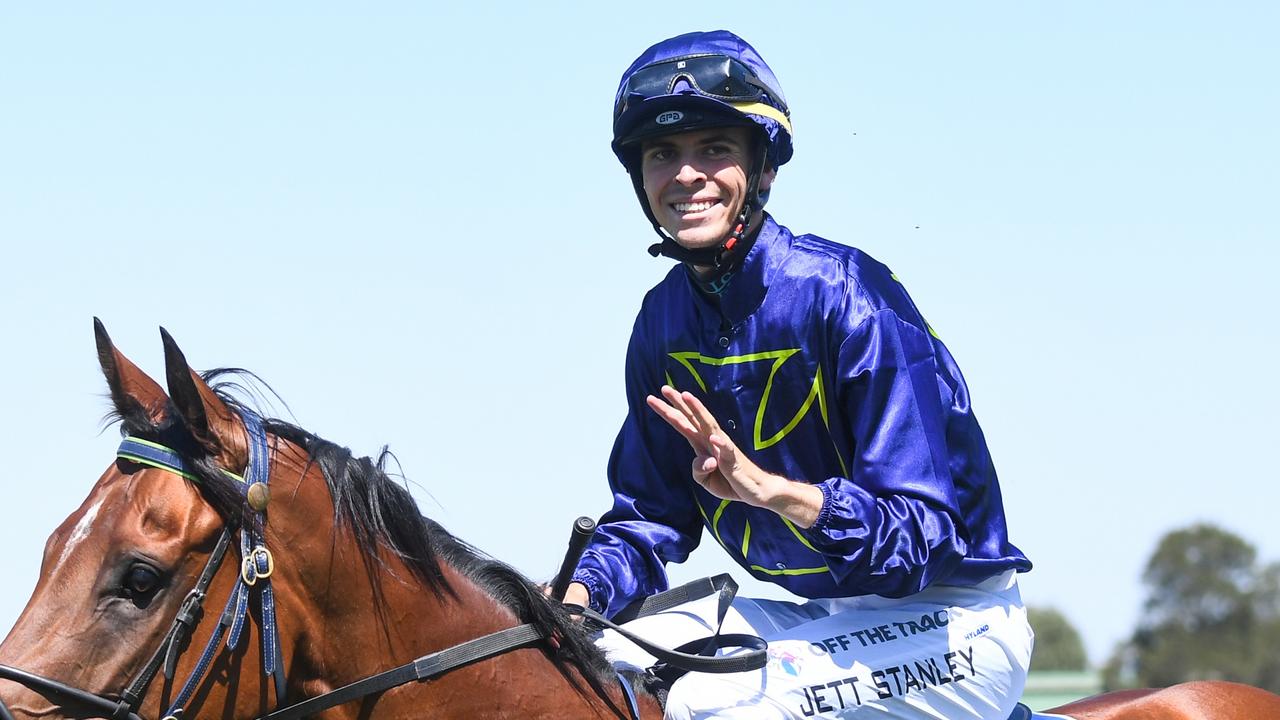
x=714 y=524
x=816 y=397
x=778 y=358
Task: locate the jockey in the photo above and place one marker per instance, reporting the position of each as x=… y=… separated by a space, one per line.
x=785 y=393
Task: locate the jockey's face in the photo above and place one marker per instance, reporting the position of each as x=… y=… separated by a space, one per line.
x=696 y=182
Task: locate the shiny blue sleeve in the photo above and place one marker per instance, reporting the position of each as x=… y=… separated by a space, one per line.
x=654 y=519
x=895 y=525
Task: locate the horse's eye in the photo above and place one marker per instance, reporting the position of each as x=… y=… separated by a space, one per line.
x=141 y=580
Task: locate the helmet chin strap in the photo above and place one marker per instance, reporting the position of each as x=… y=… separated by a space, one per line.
x=725 y=258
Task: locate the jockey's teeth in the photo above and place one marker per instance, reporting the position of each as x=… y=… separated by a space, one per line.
x=694 y=207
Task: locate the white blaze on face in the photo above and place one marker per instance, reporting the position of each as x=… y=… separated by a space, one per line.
x=80 y=532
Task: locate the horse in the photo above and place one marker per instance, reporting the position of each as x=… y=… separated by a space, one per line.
x=357 y=581
x=339 y=576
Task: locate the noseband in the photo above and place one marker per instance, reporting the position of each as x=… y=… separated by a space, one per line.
x=254 y=578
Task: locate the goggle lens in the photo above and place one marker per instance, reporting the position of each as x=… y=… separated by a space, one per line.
x=716 y=76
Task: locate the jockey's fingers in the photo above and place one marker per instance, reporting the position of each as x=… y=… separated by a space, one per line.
x=675 y=418
x=677 y=399
x=704 y=465
x=701 y=415
x=723 y=449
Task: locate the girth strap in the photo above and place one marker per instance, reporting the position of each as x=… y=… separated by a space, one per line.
x=629 y=694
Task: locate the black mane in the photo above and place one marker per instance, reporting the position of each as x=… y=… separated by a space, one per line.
x=384 y=516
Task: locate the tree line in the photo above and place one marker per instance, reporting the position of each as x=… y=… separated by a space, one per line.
x=1211 y=612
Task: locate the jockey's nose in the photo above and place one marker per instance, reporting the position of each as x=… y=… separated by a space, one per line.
x=689 y=174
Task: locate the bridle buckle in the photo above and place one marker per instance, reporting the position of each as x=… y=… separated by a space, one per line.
x=250 y=572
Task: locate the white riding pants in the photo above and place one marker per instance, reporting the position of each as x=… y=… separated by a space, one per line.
x=947 y=653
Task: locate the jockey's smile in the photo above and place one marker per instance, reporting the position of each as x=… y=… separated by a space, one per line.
x=696 y=183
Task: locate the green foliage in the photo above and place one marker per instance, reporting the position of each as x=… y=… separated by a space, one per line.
x=1198 y=577
x=1211 y=613
x=1058 y=645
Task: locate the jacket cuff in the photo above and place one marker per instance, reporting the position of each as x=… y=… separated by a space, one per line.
x=824 y=515
x=596 y=591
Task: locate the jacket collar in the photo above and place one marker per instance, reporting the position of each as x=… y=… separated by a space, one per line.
x=747 y=289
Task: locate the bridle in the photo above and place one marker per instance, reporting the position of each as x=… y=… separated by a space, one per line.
x=256 y=569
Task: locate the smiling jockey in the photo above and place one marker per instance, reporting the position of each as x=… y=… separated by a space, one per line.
x=785 y=393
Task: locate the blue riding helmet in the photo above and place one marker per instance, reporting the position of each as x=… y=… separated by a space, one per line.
x=700 y=79
x=693 y=81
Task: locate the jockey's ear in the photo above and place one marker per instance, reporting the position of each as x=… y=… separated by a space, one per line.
x=139 y=400
x=211 y=422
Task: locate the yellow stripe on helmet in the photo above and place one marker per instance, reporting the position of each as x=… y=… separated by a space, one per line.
x=769 y=111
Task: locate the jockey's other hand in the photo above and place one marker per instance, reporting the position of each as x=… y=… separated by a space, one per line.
x=576 y=594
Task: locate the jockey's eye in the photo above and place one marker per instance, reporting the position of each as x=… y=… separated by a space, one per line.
x=141 y=581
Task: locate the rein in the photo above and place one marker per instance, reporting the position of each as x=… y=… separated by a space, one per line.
x=696 y=655
x=254 y=578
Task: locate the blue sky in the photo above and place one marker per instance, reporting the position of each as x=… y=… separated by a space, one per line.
x=407 y=220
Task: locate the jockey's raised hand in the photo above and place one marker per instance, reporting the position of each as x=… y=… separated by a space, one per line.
x=724 y=470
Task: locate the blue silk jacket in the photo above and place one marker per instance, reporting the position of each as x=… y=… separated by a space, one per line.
x=820 y=368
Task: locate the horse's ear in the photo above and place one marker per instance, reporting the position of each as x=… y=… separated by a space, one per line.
x=138 y=399
x=212 y=423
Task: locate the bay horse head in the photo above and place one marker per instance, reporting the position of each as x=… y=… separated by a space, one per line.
x=226 y=564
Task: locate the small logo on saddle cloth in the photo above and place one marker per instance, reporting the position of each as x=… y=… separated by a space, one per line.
x=784 y=661
x=1022 y=712
x=669 y=117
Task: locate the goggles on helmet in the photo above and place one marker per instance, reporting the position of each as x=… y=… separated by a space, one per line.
x=715 y=76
